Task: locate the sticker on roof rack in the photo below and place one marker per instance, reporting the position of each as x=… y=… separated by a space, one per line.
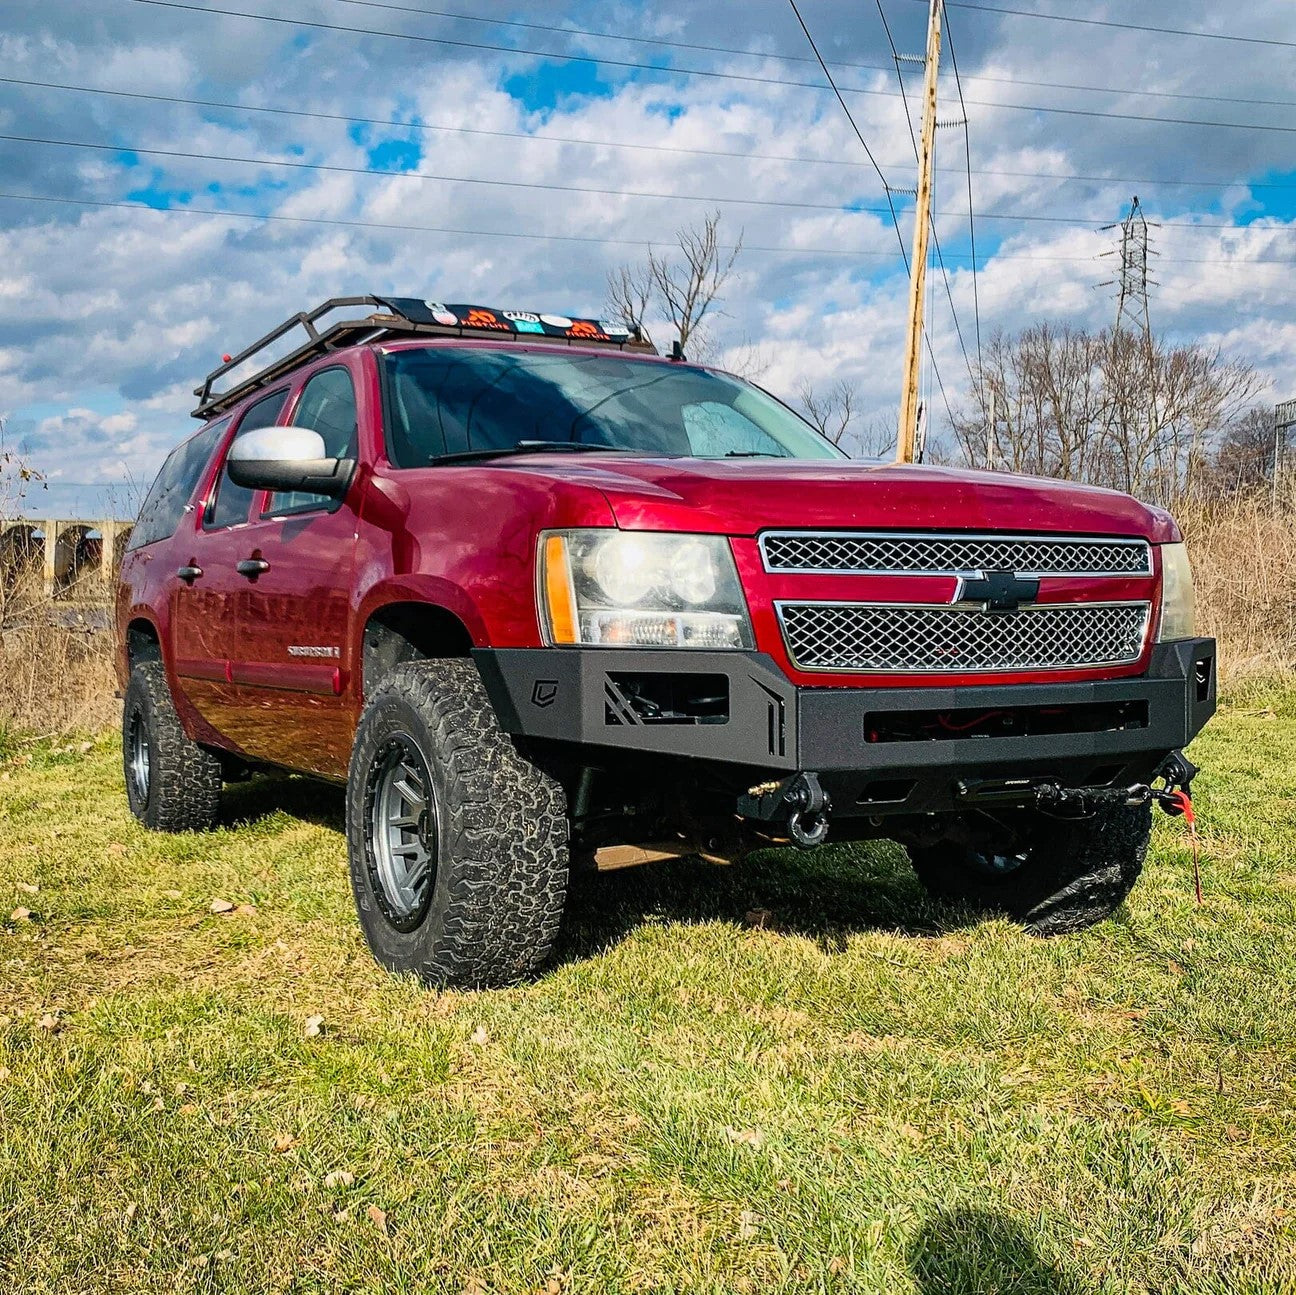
x=442 y=315
x=523 y=322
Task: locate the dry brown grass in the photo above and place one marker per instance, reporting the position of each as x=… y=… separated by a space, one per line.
x=1244 y=560
x=56 y=667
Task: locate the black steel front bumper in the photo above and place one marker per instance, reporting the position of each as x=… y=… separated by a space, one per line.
x=759 y=720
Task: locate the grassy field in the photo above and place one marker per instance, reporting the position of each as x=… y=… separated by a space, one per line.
x=868 y=1094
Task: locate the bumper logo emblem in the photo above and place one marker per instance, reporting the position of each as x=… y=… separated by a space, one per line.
x=544 y=692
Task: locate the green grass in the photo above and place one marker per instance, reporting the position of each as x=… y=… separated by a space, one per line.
x=875 y=1095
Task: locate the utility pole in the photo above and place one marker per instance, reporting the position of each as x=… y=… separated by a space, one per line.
x=908 y=429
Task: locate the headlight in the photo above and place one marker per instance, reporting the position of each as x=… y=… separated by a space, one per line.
x=1178 y=603
x=641 y=589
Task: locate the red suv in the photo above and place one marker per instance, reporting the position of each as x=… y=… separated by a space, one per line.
x=541 y=597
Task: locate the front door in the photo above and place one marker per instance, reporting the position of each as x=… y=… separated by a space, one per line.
x=292 y=662
x=207 y=590
x=201 y=599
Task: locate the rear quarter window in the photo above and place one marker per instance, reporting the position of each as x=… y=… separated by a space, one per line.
x=164 y=505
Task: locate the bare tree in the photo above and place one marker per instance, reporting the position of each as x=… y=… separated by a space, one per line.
x=17 y=476
x=630 y=290
x=830 y=410
x=683 y=289
x=1243 y=458
x=834 y=412
x=1108 y=408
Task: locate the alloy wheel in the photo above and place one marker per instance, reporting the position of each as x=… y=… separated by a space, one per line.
x=402 y=831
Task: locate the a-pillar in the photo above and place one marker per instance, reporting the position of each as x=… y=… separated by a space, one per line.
x=50 y=566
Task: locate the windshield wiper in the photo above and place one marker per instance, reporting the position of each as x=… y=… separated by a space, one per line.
x=753 y=454
x=527 y=447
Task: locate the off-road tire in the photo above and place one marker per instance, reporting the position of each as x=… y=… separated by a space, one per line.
x=180 y=791
x=494 y=906
x=1075 y=873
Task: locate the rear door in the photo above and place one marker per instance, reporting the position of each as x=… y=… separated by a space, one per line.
x=292 y=662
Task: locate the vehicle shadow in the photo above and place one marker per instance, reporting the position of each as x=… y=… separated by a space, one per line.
x=826 y=895
x=968 y=1251
x=244 y=804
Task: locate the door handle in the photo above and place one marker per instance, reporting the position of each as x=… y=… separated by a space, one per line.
x=252 y=567
x=189 y=574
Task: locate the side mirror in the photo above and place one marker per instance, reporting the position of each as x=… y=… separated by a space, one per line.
x=287 y=458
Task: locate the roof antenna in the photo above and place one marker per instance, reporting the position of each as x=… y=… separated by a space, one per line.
x=677 y=351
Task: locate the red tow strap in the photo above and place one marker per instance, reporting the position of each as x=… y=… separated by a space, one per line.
x=1184 y=801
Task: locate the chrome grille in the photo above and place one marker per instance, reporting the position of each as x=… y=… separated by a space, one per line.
x=953 y=555
x=940 y=639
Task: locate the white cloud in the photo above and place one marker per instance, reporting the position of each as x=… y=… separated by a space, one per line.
x=112 y=316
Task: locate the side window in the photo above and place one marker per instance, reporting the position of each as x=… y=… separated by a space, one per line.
x=327 y=406
x=165 y=503
x=231 y=504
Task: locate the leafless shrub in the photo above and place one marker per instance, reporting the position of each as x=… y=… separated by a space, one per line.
x=56 y=661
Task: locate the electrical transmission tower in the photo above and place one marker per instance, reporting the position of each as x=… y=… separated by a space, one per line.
x=1133 y=280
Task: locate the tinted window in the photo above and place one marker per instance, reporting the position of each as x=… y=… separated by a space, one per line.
x=232 y=502
x=164 y=505
x=443 y=400
x=327 y=406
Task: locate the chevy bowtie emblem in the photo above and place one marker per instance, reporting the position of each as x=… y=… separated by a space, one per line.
x=997 y=591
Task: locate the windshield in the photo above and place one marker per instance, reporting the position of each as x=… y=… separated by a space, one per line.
x=454 y=400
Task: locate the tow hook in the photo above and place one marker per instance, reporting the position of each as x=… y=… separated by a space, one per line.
x=1178 y=772
x=799 y=803
x=808 y=810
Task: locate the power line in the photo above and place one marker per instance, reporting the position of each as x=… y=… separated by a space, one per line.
x=853 y=253
x=484 y=46
x=659 y=42
x=1124 y=26
x=406 y=124
x=1130 y=179
x=967 y=153
x=886 y=188
x=859 y=135
x=1094 y=112
x=655 y=41
x=424 y=176
x=842 y=208
x=700 y=72
x=744 y=155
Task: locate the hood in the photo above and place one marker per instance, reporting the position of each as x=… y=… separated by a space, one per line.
x=745 y=496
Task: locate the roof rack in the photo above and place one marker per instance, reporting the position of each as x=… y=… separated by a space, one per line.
x=401 y=317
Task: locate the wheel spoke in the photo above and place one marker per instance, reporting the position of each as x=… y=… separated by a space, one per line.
x=418 y=874
x=414 y=799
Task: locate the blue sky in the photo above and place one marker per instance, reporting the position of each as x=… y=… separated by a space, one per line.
x=128 y=267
